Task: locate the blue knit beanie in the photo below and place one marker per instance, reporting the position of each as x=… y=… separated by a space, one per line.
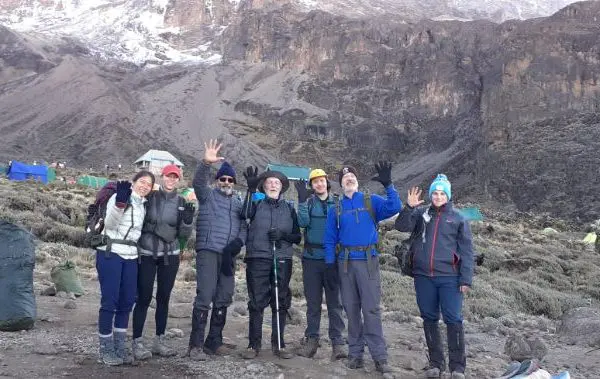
x=226 y=169
x=441 y=183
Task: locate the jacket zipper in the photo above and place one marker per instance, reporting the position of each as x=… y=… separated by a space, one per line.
x=230 y=220
x=435 y=230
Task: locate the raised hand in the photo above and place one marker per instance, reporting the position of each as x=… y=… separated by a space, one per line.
x=251 y=176
x=123 y=193
x=211 y=152
x=414 y=194
x=384 y=173
x=303 y=192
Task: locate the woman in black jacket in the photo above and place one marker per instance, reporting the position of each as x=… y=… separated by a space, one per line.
x=168 y=218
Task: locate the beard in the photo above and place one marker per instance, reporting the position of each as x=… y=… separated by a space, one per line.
x=351 y=187
x=226 y=190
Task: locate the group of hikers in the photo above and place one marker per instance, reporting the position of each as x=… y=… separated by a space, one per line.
x=340 y=258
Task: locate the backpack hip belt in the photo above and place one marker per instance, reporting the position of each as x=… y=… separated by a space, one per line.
x=311 y=246
x=365 y=249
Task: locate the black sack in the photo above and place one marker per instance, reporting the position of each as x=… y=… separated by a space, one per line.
x=17 y=260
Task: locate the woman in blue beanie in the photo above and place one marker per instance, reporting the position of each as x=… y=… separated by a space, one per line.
x=442 y=256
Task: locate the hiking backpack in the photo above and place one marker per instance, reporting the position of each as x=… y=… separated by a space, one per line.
x=96 y=213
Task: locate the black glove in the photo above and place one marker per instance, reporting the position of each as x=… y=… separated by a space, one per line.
x=188 y=213
x=227 y=264
x=251 y=176
x=303 y=192
x=233 y=248
x=123 y=193
x=384 y=173
x=275 y=235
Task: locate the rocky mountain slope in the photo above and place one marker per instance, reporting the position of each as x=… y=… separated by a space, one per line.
x=509 y=111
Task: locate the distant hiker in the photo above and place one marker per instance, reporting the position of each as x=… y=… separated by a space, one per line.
x=220 y=235
x=352 y=232
x=312 y=215
x=119 y=167
x=168 y=218
x=442 y=254
x=272 y=231
x=117 y=265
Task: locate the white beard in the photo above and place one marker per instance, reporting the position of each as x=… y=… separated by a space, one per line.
x=226 y=190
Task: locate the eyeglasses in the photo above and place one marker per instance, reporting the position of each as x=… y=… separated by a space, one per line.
x=223 y=179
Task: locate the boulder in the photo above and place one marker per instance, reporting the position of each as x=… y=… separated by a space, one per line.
x=517 y=348
x=580 y=326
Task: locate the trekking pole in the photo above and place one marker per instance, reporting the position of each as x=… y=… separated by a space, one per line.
x=276 y=296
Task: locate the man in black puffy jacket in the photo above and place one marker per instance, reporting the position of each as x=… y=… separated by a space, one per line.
x=220 y=235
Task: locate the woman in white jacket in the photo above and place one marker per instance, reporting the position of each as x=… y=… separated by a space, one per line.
x=116 y=263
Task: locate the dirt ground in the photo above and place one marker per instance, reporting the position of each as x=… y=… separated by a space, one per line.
x=64 y=344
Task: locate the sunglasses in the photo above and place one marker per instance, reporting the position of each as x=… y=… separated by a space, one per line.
x=228 y=180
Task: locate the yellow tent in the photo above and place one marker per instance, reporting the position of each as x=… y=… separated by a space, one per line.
x=590 y=238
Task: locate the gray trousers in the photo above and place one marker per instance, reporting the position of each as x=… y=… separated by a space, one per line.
x=361 y=297
x=315 y=281
x=211 y=285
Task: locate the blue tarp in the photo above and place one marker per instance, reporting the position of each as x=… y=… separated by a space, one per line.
x=21 y=171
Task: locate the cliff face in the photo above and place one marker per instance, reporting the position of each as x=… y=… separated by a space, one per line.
x=503 y=108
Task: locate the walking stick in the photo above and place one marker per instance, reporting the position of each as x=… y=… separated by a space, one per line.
x=276 y=296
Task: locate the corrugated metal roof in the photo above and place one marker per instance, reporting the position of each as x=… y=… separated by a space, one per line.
x=159 y=155
x=292 y=172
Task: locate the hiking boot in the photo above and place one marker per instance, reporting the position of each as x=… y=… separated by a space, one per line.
x=197 y=354
x=282 y=353
x=457 y=375
x=355 y=363
x=120 y=350
x=250 y=353
x=433 y=373
x=457 y=357
x=383 y=367
x=160 y=348
x=434 y=348
x=338 y=352
x=221 y=351
x=107 y=353
x=140 y=352
x=309 y=347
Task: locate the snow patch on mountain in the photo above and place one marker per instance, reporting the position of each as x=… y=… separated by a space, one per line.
x=124 y=30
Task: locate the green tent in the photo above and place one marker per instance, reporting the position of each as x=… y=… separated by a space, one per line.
x=2 y=170
x=471 y=214
x=51 y=174
x=292 y=172
x=92 y=181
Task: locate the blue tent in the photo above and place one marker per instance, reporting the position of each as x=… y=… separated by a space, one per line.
x=21 y=171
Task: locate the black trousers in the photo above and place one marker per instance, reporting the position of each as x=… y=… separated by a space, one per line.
x=260 y=280
x=149 y=269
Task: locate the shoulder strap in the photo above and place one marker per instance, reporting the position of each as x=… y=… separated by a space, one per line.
x=338 y=210
x=369 y=206
x=180 y=204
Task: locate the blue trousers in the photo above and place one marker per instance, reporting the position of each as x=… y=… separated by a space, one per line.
x=118 y=289
x=439 y=292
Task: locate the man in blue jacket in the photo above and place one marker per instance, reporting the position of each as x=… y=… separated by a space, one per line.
x=312 y=216
x=352 y=231
x=442 y=256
